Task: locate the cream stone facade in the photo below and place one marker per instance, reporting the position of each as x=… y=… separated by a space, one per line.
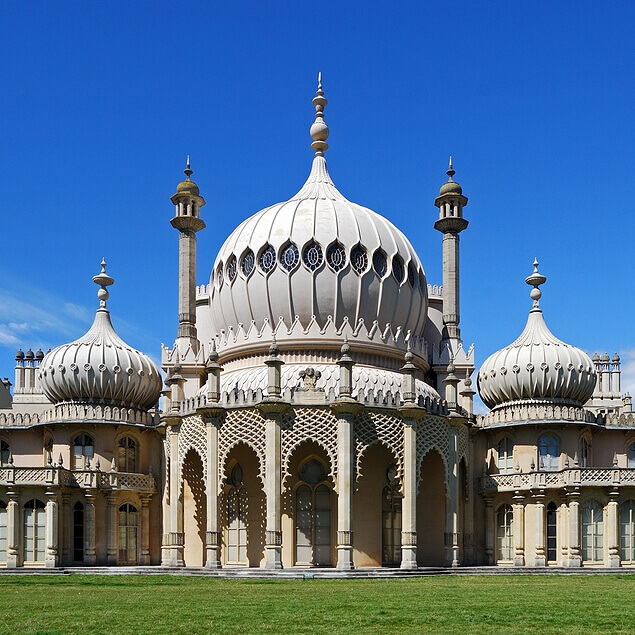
x=317 y=410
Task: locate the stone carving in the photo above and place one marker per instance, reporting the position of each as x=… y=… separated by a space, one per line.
x=309 y=378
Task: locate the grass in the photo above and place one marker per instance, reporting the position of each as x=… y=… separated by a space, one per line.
x=449 y=604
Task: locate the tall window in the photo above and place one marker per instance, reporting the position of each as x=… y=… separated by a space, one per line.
x=83 y=451
x=313 y=516
x=504 y=533
x=585 y=451
x=631 y=455
x=128 y=534
x=627 y=531
x=237 y=518
x=127 y=455
x=391 y=519
x=5 y=453
x=34 y=528
x=78 y=532
x=593 y=532
x=552 y=533
x=548 y=453
x=505 y=456
x=3 y=531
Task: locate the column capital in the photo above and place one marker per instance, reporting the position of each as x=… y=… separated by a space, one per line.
x=411 y=413
x=271 y=408
x=346 y=406
x=212 y=414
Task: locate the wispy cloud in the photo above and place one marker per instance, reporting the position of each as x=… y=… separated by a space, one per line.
x=628 y=371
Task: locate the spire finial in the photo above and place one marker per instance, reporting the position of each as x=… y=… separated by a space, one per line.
x=451 y=171
x=103 y=280
x=319 y=129
x=535 y=280
x=188 y=172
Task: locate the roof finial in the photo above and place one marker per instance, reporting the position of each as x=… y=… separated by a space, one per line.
x=319 y=129
x=451 y=172
x=535 y=280
x=103 y=280
x=188 y=172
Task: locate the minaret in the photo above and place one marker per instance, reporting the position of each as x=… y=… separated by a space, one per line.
x=187 y=220
x=450 y=223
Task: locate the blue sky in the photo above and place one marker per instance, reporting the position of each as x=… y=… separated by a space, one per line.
x=101 y=102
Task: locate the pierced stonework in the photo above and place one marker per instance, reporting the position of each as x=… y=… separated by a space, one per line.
x=192 y=435
x=432 y=434
x=377 y=427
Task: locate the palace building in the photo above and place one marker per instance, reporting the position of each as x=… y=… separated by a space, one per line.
x=316 y=410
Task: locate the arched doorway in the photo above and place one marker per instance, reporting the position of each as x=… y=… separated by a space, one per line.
x=194 y=510
x=431 y=505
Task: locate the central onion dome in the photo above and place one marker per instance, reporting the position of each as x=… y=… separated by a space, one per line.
x=537 y=368
x=100 y=368
x=315 y=263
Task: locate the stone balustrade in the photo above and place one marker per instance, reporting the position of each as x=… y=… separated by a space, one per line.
x=85 y=479
x=570 y=477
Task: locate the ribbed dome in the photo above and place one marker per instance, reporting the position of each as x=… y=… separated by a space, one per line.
x=318 y=255
x=537 y=367
x=100 y=367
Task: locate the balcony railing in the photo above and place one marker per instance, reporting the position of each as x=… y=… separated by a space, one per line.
x=570 y=477
x=85 y=479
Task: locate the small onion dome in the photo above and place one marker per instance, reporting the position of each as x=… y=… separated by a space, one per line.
x=537 y=367
x=30 y=355
x=188 y=186
x=100 y=367
x=19 y=356
x=39 y=355
x=616 y=359
x=451 y=187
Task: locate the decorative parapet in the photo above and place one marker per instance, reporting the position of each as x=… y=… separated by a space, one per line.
x=435 y=290
x=531 y=413
x=69 y=412
x=571 y=477
x=370 y=399
x=84 y=479
x=18 y=420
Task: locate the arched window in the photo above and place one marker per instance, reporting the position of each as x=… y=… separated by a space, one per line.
x=631 y=455
x=78 y=532
x=127 y=455
x=237 y=518
x=83 y=451
x=391 y=519
x=505 y=456
x=552 y=532
x=128 y=534
x=34 y=530
x=504 y=533
x=548 y=453
x=313 y=516
x=585 y=451
x=627 y=531
x=3 y=531
x=592 y=532
x=5 y=453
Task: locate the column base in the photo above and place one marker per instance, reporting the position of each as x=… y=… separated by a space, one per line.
x=345 y=558
x=573 y=562
x=12 y=561
x=212 y=560
x=408 y=557
x=172 y=549
x=90 y=560
x=273 y=557
x=614 y=562
x=50 y=561
x=519 y=561
x=540 y=561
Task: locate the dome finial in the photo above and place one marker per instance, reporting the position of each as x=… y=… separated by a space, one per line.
x=319 y=129
x=535 y=280
x=188 y=172
x=451 y=172
x=103 y=280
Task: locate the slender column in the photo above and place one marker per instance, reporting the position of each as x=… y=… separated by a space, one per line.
x=52 y=530
x=345 y=477
x=111 y=528
x=613 y=531
x=519 y=530
x=90 y=558
x=66 y=525
x=409 y=503
x=575 y=559
x=13 y=531
x=174 y=540
x=541 y=559
x=273 y=535
x=452 y=508
x=144 y=556
x=212 y=536
x=489 y=530
x=563 y=533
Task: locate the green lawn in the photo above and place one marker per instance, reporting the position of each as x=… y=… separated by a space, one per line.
x=466 y=604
